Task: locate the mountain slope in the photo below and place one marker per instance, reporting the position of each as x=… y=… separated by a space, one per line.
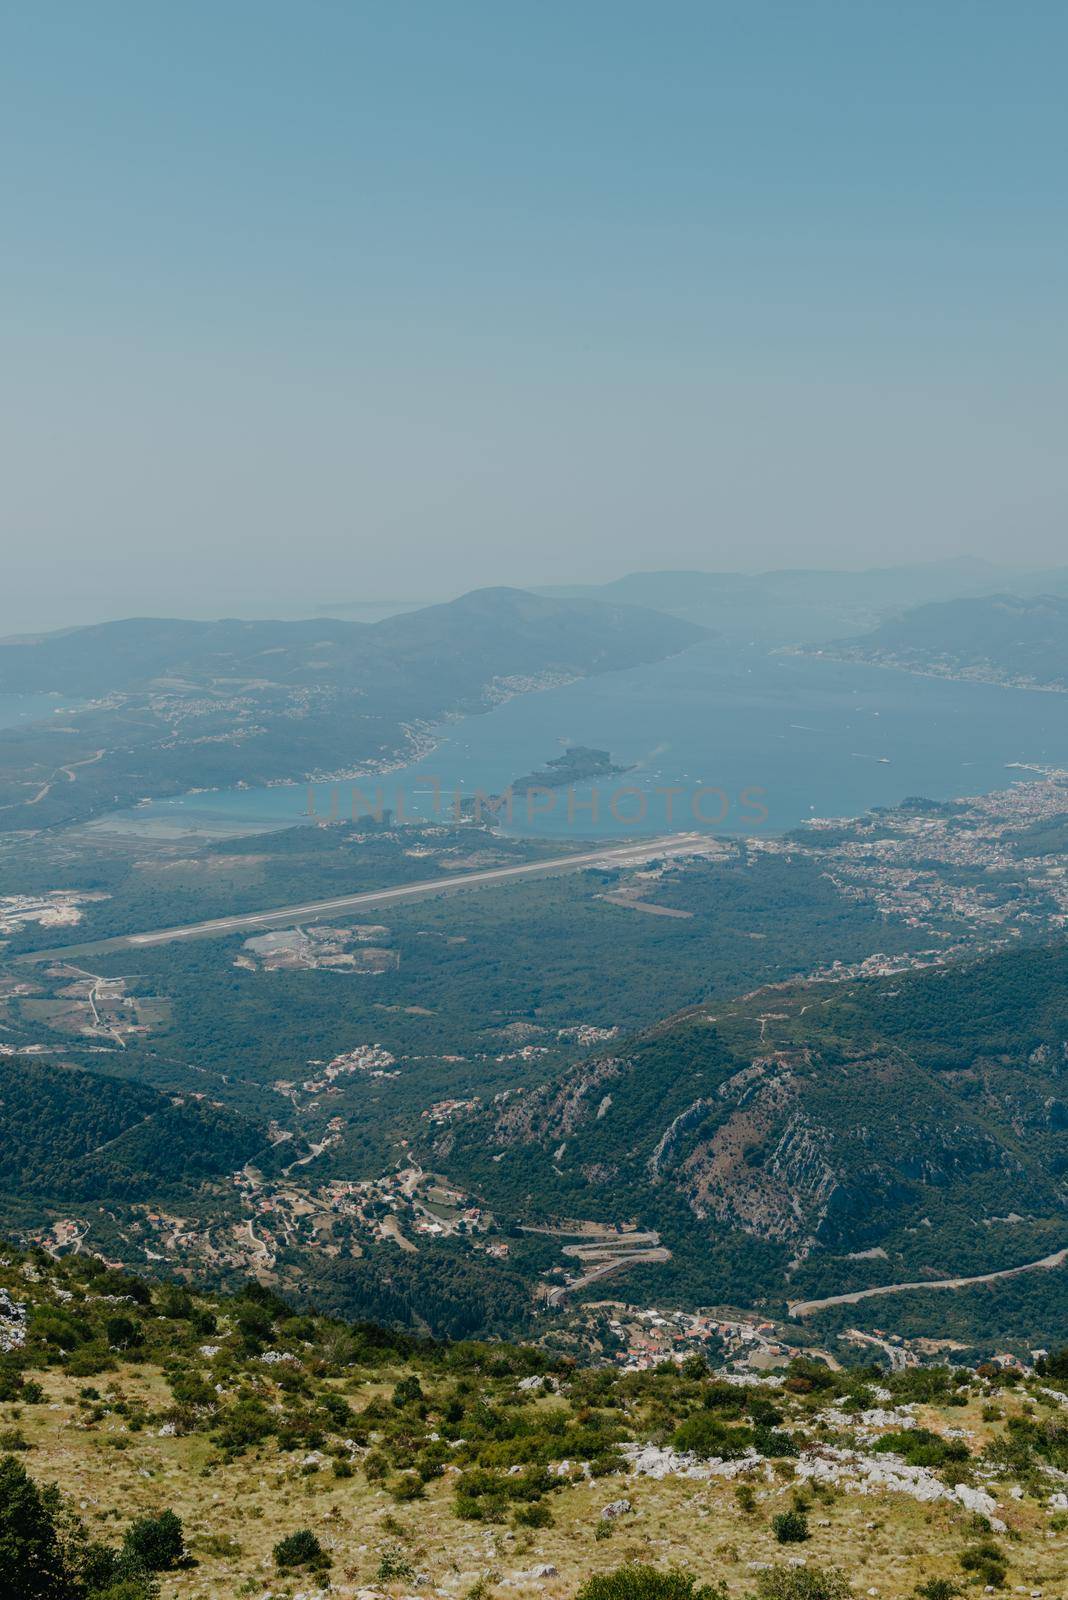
x=68 y=1135
x=409 y=1467
x=907 y=1117
x=998 y=639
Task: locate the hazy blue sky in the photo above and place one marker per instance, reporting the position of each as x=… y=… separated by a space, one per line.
x=334 y=299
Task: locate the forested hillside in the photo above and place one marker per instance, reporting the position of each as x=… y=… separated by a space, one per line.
x=811 y=1138
x=68 y=1135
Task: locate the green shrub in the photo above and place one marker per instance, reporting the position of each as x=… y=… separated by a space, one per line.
x=246 y=1423
x=13 y=1387
x=468 y=1508
x=10 y=1383
x=790 y=1527
x=155 y=1543
x=706 y=1435
x=57 y=1328
x=535 y=1515
x=761 y=1412
x=88 y=1361
x=408 y=1486
x=774 y=1444
x=190 y=1389
x=175 y=1302
x=408 y=1392
x=938 y=1589
x=987 y=1560
x=300 y=1549
x=922 y=1448
x=393 y=1564
x=637 y=1581
x=123 y=1333
x=802 y=1583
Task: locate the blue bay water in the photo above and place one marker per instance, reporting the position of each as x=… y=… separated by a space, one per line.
x=16 y=709
x=734 y=728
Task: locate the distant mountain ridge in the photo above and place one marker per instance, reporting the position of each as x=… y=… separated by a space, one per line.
x=506 y=629
x=809 y=605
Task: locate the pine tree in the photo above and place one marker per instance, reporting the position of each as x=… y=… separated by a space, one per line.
x=30 y=1556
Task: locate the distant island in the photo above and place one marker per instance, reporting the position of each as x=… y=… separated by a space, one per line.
x=578 y=764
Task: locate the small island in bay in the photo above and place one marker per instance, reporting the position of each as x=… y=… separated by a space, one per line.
x=578 y=764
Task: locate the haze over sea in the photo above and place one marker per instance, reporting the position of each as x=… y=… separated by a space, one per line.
x=817 y=737
x=16 y=709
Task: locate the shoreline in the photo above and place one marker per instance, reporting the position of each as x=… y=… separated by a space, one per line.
x=988 y=680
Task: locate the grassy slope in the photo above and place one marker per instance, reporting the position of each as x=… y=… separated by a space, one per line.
x=106 y=1453
x=887 y=1542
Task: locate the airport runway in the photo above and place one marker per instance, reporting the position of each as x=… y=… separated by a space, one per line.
x=630 y=854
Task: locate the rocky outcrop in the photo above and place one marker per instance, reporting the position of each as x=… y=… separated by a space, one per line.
x=555 y=1110
x=668 y=1144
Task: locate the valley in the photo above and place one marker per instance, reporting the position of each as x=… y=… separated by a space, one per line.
x=385 y=1084
x=466 y=1073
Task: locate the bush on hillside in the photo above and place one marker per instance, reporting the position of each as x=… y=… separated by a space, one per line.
x=790 y=1527
x=802 y=1583
x=300 y=1549
x=638 y=1581
x=157 y=1543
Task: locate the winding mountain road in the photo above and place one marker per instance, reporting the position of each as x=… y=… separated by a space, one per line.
x=805 y=1308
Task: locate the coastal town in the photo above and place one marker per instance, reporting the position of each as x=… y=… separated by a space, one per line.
x=928 y=866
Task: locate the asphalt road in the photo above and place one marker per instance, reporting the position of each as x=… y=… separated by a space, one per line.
x=320 y=910
x=805 y=1308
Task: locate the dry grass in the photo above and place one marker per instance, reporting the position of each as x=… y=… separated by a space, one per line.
x=235 y=1512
